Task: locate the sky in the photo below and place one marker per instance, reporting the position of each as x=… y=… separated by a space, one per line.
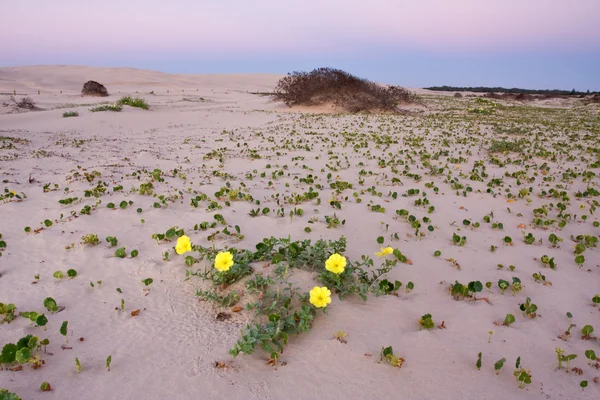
x=537 y=44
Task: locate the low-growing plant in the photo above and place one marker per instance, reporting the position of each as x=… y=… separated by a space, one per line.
x=426 y=321
x=498 y=365
x=509 y=319
x=522 y=375
x=388 y=356
x=528 y=308
x=107 y=107
x=586 y=331
x=63 y=330
x=50 y=305
x=7 y=312
x=70 y=114
x=133 y=102
x=564 y=358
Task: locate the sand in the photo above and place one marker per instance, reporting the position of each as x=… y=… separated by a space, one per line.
x=170 y=349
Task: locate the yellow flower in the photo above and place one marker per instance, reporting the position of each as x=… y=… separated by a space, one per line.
x=320 y=296
x=14 y=192
x=224 y=261
x=183 y=245
x=384 y=252
x=335 y=263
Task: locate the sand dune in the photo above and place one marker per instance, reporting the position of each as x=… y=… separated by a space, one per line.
x=214 y=133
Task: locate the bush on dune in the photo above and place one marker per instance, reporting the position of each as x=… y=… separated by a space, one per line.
x=133 y=102
x=333 y=86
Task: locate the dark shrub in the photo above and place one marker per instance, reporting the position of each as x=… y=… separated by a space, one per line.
x=327 y=85
x=457 y=94
x=93 y=88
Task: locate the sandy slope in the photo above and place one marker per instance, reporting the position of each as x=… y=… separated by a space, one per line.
x=169 y=349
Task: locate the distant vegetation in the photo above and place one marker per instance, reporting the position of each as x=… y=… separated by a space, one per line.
x=133 y=102
x=333 y=86
x=483 y=89
x=70 y=114
x=108 y=107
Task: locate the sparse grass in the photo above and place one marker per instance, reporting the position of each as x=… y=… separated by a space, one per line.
x=133 y=102
x=70 y=114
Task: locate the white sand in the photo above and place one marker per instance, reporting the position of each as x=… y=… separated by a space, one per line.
x=169 y=349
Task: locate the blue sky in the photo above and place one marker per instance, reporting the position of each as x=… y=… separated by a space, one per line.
x=416 y=43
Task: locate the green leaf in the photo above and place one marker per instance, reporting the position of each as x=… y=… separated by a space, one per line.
x=583 y=384
x=147 y=281
x=6 y=395
x=123 y=204
x=499 y=364
x=475 y=286
x=23 y=355
x=33 y=342
x=23 y=342
x=71 y=273
x=478 y=364
x=380 y=240
x=569 y=315
x=120 y=252
x=509 y=319
x=518 y=362
x=41 y=320
x=590 y=354
x=63 y=328
x=8 y=353
x=134 y=253
x=32 y=316
x=58 y=275
x=50 y=304
x=387 y=351
x=587 y=330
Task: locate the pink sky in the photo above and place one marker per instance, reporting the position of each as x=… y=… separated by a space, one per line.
x=305 y=26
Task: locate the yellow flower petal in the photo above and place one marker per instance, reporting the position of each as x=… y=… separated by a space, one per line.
x=320 y=297
x=223 y=261
x=183 y=245
x=384 y=252
x=335 y=263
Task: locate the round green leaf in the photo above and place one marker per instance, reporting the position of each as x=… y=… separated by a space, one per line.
x=8 y=353
x=23 y=355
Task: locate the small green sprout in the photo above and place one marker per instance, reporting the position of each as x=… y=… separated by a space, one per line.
x=388 y=356
x=587 y=331
x=108 y=361
x=499 y=364
x=426 y=321
x=78 y=365
x=591 y=356
x=509 y=319
x=50 y=304
x=63 y=330
x=121 y=252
